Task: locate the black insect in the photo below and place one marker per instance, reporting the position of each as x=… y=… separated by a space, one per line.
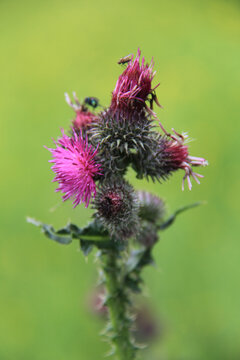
x=92 y=101
x=125 y=59
x=154 y=99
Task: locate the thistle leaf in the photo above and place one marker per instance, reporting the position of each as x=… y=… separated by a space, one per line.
x=49 y=231
x=86 y=247
x=173 y=217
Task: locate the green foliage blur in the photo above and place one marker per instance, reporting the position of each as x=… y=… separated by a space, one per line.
x=49 y=47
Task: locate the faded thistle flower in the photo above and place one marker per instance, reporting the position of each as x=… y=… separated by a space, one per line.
x=117 y=208
x=75 y=167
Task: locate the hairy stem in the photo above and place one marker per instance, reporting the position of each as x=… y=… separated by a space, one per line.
x=117 y=305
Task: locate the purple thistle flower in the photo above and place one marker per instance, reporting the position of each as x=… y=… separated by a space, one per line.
x=176 y=156
x=134 y=86
x=75 y=168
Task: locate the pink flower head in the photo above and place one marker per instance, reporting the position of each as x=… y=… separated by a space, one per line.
x=177 y=157
x=75 y=168
x=134 y=85
x=83 y=118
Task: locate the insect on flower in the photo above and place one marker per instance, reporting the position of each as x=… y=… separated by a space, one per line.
x=84 y=118
x=125 y=59
x=134 y=85
x=154 y=99
x=92 y=101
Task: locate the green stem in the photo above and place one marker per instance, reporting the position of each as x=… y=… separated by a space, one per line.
x=117 y=306
x=94 y=238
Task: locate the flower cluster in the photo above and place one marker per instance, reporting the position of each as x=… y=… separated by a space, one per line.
x=90 y=166
x=92 y=162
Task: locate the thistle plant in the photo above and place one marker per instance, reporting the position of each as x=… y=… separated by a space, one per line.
x=90 y=164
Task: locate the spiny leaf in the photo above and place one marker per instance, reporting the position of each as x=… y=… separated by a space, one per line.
x=108 y=329
x=91 y=235
x=133 y=284
x=112 y=351
x=49 y=231
x=93 y=229
x=172 y=218
x=138 y=259
x=86 y=247
x=133 y=260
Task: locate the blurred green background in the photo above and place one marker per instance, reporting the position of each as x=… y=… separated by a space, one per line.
x=49 y=47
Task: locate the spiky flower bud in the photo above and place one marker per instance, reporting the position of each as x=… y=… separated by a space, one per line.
x=117 y=208
x=169 y=154
x=151 y=207
x=147 y=235
x=118 y=140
